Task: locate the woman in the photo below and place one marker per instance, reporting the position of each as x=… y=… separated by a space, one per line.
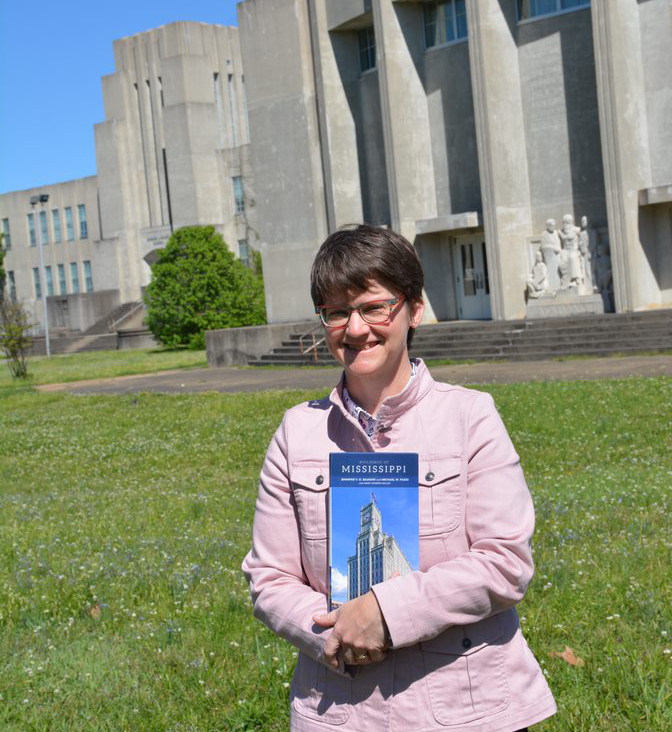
x=436 y=648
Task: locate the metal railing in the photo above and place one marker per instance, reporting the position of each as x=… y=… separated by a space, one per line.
x=315 y=342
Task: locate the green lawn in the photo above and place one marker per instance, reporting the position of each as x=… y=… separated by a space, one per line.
x=123 y=522
x=102 y=364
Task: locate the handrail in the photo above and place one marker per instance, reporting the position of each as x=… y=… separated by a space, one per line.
x=139 y=304
x=315 y=344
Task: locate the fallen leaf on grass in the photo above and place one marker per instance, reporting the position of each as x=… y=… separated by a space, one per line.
x=95 y=611
x=569 y=656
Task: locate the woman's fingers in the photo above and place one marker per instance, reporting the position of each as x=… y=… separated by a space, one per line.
x=327 y=619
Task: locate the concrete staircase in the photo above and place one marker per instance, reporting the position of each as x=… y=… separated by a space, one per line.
x=520 y=340
x=103 y=335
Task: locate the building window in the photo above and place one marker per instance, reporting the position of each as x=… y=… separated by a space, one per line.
x=56 y=222
x=62 y=286
x=37 y=283
x=81 y=212
x=243 y=252
x=44 y=229
x=12 y=286
x=238 y=194
x=445 y=21
x=88 y=276
x=535 y=8
x=74 y=277
x=69 y=227
x=50 y=280
x=367 y=49
x=31 y=229
x=7 y=239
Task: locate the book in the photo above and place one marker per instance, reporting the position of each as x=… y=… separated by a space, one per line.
x=373 y=521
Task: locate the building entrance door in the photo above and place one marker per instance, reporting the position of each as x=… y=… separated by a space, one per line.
x=471 y=278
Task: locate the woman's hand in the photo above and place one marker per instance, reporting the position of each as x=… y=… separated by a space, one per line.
x=359 y=631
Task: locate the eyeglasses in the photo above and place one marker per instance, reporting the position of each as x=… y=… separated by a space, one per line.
x=375 y=312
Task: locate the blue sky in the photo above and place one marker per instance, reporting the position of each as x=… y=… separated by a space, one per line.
x=52 y=57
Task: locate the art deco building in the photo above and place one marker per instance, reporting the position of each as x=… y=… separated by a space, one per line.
x=377 y=556
x=172 y=151
x=465 y=125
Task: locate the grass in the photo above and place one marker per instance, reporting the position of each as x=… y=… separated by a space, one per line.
x=123 y=522
x=103 y=364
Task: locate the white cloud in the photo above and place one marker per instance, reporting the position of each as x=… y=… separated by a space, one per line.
x=339 y=582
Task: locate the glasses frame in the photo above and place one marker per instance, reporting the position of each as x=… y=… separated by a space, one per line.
x=392 y=302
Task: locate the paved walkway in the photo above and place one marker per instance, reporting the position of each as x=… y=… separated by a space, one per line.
x=254 y=379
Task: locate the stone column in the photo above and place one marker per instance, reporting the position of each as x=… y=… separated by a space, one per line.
x=625 y=147
x=408 y=150
x=502 y=159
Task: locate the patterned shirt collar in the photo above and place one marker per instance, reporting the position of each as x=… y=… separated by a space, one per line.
x=367 y=422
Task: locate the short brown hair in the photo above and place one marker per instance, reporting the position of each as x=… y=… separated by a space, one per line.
x=354 y=255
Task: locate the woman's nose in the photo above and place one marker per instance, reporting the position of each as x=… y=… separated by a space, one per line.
x=357 y=325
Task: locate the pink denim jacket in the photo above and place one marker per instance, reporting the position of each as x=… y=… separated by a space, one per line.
x=459 y=660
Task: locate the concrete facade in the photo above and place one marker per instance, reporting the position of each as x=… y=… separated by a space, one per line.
x=174 y=139
x=466 y=146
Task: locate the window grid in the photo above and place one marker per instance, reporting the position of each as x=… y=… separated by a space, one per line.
x=74 y=277
x=83 y=229
x=37 y=283
x=62 y=285
x=238 y=194
x=243 y=252
x=69 y=226
x=56 y=223
x=31 y=230
x=88 y=276
x=7 y=240
x=367 y=49
x=528 y=9
x=445 y=21
x=50 y=280
x=44 y=229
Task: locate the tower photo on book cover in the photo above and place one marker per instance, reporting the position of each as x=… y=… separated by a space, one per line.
x=373 y=521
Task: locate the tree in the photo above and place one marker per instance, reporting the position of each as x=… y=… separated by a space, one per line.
x=15 y=342
x=198 y=285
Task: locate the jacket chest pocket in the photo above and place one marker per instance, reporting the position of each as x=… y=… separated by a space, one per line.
x=441 y=495
x=464 y=672
x=310 y=487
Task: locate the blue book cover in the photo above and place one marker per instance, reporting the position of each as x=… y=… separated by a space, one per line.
x=373 y=520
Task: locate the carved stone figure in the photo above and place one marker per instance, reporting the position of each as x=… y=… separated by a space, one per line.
x=537 y=282
x=585 y=249
x=604 y=279
x=550 y=249
x=570 y=264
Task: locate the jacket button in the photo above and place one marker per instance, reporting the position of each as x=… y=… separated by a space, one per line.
x=429 y=477
x=319 y=480
x=466 y=643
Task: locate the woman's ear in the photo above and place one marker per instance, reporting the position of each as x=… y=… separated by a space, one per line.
x=417 y=310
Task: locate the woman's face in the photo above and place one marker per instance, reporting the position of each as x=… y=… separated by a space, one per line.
x=373 y=350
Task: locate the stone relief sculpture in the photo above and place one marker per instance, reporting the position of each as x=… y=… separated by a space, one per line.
x=550 y=250
x=537 y=282
x=603 y=276
x=570 y=260
x=587 y=255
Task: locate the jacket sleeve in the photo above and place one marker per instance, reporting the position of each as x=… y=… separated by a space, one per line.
x=499 y=520
x=281 y=596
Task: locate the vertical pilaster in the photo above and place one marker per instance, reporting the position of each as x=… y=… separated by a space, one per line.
x=336 y=127
x=625 y=146
x=502 y=159
x=408 y=156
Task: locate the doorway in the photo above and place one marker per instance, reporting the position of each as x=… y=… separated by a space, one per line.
x=471 y=278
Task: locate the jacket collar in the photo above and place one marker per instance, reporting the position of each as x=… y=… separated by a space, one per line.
x=393 y=406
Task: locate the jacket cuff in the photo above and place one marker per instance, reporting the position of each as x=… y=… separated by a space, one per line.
x=395 y=613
